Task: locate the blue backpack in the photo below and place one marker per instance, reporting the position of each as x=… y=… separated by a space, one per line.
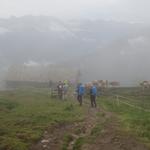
x=94 y=90
x=81 y=90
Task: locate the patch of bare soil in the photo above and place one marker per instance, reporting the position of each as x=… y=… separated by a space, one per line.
x=109 y=139
x=53 y=138
x=112 y=139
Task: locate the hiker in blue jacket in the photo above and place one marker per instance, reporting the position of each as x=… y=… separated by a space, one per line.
x=80 y=93
x=93 y=94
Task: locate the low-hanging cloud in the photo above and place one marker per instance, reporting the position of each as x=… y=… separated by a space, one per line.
x=121 y=10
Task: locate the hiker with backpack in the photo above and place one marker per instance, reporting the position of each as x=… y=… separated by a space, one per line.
x=80 y=92
x=60 y=90
x=93 y=94
x=65 y=89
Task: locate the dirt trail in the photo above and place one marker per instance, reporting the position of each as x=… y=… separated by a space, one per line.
x=109 y=139
x=53 y=137
x=87 y=125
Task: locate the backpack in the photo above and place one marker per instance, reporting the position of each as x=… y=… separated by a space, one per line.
x=60 y=87
x=93 y=90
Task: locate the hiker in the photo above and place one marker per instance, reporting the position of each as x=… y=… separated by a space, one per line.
x=93 y=94
x=65 y=89
x=80 y=93
x=60 y=90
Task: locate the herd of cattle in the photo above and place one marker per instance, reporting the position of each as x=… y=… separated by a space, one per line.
x=104 y=84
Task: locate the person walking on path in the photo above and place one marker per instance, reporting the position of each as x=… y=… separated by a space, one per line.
x=80 y=93
x=93 y=94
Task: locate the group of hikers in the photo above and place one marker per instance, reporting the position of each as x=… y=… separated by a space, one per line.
x=91 y=90
x=62 y=89
x=81 y=90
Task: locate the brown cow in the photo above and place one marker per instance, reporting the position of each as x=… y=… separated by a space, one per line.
x=102 y=84
x=145 y=85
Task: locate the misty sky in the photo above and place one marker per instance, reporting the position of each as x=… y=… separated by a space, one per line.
x=112 y=34
x=120 y=10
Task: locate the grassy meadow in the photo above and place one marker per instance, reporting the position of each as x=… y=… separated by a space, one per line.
x=26 y=113
x=134 y=120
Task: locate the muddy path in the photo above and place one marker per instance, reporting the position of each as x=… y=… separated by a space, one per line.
x=54 y=137
x=112 y=138
x=65 y=136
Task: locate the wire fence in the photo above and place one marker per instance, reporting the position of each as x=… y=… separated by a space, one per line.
x=119 y=100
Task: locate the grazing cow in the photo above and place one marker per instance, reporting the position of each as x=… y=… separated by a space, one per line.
x=87 y=87
x=102 y=85
x=145 y=85
x=114 y=83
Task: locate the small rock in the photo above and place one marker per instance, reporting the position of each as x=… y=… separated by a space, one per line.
x=72 y=143
x=45 y=141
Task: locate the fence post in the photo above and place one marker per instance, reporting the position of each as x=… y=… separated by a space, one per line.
x=117 y=100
